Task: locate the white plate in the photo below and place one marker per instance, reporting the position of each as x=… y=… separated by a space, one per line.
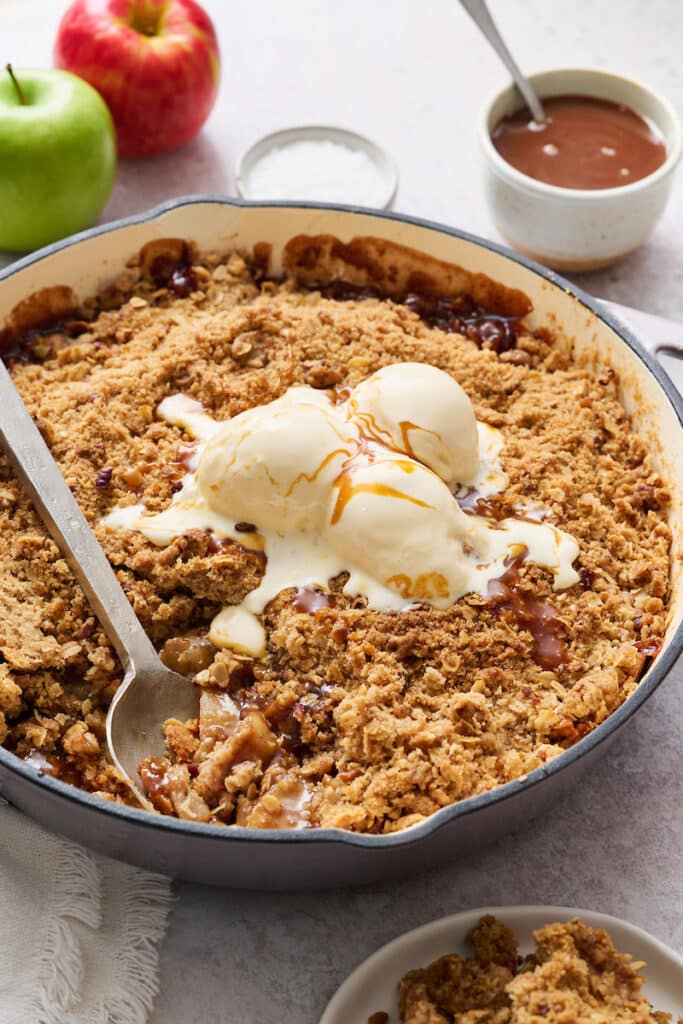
x=373 y=985
x=383 y=163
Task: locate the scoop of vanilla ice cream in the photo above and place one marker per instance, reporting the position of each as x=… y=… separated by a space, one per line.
x=423 y=412
x=274 y=465
x=396 y=527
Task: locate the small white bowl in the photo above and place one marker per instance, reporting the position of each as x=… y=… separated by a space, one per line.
x=387 y=174
x=373 y=986
x=577 y=229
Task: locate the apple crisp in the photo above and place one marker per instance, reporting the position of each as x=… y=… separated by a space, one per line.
x=349 y=717
x=574 y=974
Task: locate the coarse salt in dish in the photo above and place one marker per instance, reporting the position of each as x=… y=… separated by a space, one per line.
x=324 y=165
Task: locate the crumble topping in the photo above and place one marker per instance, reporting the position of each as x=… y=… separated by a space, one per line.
x=353 y=718
x=574 y=974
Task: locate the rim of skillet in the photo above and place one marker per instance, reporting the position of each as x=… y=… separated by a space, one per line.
x=463 y=808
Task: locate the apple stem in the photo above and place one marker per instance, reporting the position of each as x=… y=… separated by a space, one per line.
x=20 y=91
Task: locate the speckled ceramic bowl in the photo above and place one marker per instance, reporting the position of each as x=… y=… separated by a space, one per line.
x=578 y=229
x=309 y=858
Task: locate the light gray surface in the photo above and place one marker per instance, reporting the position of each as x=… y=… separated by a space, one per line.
x=412 y=76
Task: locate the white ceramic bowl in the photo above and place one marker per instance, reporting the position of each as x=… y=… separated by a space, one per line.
x=387 y=173
x=577 y=229
x=373 y=985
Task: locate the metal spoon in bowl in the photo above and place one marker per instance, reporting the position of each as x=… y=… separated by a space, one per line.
x=150 y=693
x=481 y=15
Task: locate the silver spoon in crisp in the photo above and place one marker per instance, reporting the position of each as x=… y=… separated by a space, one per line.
x=149 y=693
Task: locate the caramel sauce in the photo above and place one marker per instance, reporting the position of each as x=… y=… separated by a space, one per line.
x=183 y=281
x=458 y=314
x=490 y=507
x=260 y=259
x=7 y=338
x=312 y=477
x=216 y=544
x=347 y=489
x=426 y=586
x=586 y=143
x=371 y=433
x=309 y=600
x=340 y=394
x=540 y=618
x=461 y=315
x=344 y=291
x=133 y=480
x=178 y=277
x=284 y=718
x=454 y=314
x=172 y=471
x=17 y=347
x=155 y=783
x=287 y=724
x=406 y=427
x=255 y=546
x=394 y=270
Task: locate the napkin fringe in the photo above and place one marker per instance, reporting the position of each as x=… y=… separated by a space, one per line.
x=58 y=973
x=61 y=975
x=77 y=886
x=147 y=903
x=87 y=930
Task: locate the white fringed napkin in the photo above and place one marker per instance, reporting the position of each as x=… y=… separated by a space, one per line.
x=79 y=933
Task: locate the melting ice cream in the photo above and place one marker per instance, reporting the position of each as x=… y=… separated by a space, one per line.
x=364 y=486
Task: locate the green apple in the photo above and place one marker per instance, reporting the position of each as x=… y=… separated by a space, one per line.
x=57 y=156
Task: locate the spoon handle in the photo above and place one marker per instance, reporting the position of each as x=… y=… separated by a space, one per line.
x=42 y=479
x=481 y=15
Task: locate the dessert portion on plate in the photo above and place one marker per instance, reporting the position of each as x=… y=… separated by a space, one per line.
x=574 y=974
x=406 y=547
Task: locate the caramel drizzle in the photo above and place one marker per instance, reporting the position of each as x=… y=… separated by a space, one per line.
x=311 y=600
x=312 y=477
x=406 y=426
x=425 y=586
x=340 y=394
x=538 y=617
x=347 y=489
x=370 y=431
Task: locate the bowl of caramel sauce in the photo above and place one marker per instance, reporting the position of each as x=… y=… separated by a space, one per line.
x=586 y=188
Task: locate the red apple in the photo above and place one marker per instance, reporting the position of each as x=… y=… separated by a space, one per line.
x=155 y=63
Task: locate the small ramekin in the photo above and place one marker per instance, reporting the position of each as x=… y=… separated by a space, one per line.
x=578 y=229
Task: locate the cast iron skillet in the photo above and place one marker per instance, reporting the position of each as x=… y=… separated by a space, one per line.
x=249 y=858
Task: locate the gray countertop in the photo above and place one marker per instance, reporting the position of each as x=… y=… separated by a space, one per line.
x=412 y=76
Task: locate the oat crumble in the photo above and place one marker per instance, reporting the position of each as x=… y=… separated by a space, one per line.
x=356 y=719
x=574 y=974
